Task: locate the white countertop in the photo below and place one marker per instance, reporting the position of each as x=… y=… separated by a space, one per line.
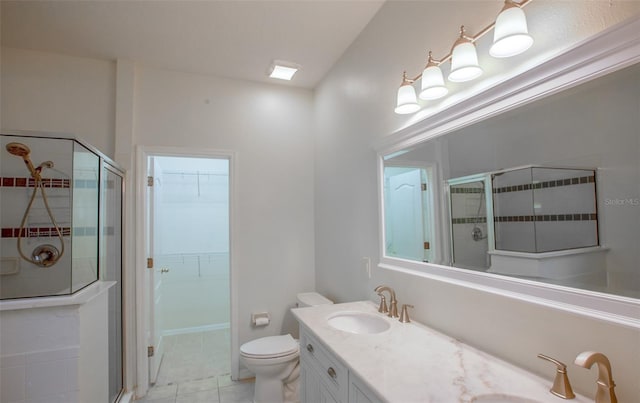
x=410 y=362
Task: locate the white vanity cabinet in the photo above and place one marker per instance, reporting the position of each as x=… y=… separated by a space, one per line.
x=325 y=379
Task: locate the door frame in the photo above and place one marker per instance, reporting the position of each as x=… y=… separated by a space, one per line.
x=143 y=278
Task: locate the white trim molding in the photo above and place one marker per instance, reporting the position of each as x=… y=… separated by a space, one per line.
x=609 y=51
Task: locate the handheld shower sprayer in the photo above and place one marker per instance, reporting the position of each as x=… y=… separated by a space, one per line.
x=44 y=255
x=22 y=151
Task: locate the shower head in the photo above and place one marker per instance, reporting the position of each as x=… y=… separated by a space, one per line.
x=46 y=164
x=19 y=150
x=22 y=151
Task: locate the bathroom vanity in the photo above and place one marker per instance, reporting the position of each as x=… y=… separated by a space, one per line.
x=369 y=357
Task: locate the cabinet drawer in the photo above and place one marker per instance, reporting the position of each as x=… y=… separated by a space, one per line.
x=333 y=374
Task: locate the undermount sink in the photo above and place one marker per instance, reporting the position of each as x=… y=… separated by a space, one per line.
x=500 y=398
x=358 y=322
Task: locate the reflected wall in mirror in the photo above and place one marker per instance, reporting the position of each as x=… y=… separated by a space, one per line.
x=548 y=192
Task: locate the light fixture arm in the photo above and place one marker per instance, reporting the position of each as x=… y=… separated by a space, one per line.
x=406 y=80
x=433 y=62
x=508 y=4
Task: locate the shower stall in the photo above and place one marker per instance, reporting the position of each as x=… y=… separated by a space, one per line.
x=49 y=199
x=61 y=214
x=530 y=221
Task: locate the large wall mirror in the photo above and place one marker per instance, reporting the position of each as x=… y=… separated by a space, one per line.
x=547 y=192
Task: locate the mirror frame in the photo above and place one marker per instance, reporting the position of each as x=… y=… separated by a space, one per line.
x=611 y=50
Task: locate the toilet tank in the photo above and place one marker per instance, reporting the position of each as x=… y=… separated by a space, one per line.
x=305 y=299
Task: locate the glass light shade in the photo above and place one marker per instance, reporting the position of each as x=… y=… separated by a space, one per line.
x=432 y=84
x=407 y=101
x=464 y=63
x=511 y=35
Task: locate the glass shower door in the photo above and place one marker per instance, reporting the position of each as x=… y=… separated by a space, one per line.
x=471 y=222
x=111 y=270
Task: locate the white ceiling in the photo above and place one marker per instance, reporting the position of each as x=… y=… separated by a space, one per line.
x=232 y=38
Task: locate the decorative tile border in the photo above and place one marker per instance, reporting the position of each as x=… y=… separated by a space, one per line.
x=529 y=218
x=85 y=183
x=51 y=183
x=548 y=217
x=30 y=182
x=548 y=184
x=35 y=232
x=466 y=190
x=469 y=220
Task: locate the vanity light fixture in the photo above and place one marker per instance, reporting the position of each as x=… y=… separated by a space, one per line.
x=407 y=101
x=283 y=70
x=511 y=37
x=432 y=81
x=464 y=60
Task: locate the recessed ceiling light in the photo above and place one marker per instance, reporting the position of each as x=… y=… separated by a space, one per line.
x=283 y=70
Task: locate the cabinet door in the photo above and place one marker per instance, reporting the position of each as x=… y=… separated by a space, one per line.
x=360 y=393
x=313 y=390
x=326 y=396
x=309 y=384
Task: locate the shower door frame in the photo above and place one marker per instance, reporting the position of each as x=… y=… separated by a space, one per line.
x=143 y=275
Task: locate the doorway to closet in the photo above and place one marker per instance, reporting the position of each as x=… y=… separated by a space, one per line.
x=188 y=245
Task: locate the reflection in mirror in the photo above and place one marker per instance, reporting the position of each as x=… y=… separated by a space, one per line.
x=408 y=231
x=469 y=209
x=546 y=192
x=539 y=209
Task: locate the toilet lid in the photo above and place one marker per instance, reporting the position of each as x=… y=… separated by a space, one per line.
x=272 y=346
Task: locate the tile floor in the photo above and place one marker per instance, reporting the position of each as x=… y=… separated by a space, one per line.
x=195 y=368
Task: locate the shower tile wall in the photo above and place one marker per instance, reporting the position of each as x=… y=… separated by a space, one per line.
x=513 y=236
x=54 y=354
x=545 y=209
x=465 y=200
x=16 y=275
x=577 y=198
x=86 y=177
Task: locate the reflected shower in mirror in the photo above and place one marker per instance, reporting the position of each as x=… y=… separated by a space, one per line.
x=547 y=192
x=469 y=225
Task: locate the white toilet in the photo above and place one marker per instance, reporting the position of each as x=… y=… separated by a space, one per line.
x=275 y=360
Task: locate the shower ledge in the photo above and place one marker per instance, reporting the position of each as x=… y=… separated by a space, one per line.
x=556 y=265
x=79 y=298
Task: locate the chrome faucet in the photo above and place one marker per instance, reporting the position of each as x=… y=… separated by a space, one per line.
x=605 y=393
x=393 y=303
x=383 y=304
x=561 y=386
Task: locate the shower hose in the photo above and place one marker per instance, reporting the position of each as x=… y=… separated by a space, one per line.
x=50 y=260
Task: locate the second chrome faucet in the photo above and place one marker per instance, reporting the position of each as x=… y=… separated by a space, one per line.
x=605 y=392
x=392 y=312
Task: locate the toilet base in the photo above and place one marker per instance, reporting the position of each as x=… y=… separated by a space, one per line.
x=271 y=375
x=268 y=391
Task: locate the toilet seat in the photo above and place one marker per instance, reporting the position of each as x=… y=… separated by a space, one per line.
x=270 y=347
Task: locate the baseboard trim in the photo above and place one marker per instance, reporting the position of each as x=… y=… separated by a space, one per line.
x=196 y=329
